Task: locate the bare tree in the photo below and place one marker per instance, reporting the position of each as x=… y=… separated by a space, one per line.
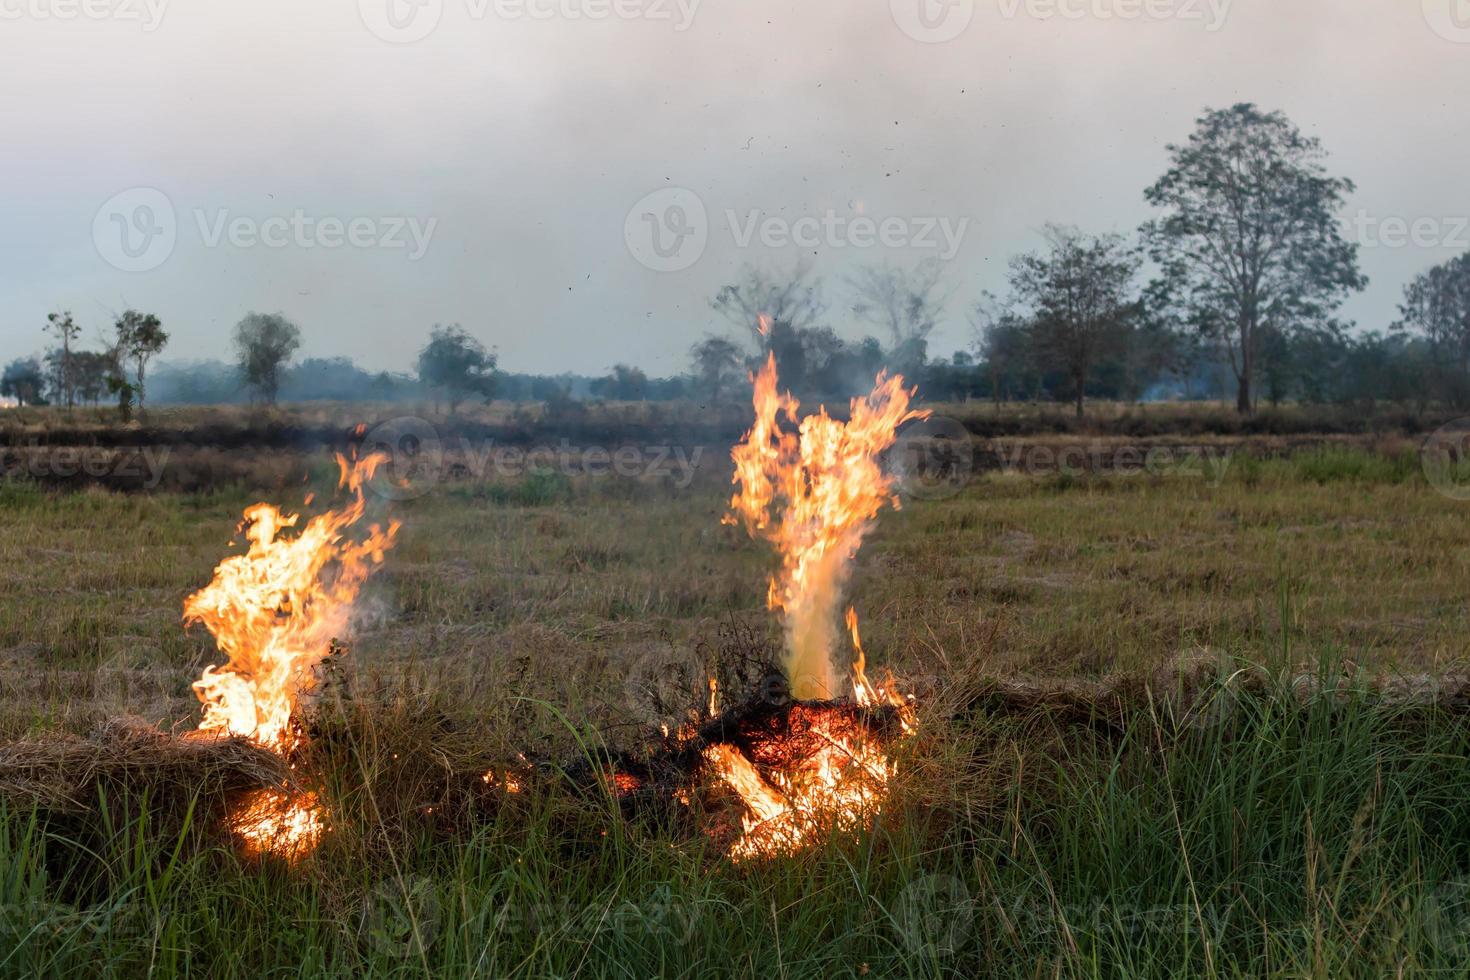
x=761 y=295
x=905 y=303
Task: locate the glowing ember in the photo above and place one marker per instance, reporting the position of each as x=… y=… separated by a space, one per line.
x=829 y=776
x=268 y=822
x=814 y=495
x=275 y=610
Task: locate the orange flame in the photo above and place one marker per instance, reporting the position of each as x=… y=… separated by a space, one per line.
x=270 y=822
x=814 y=494
x=836 y=785
x=275 y=610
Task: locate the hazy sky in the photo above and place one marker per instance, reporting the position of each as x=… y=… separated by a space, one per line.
x=203 y=158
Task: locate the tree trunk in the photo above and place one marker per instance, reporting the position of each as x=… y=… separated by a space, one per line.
x=1081 y=395
x=1243 y=378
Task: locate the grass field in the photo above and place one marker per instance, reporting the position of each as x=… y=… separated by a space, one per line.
x=1285 y=833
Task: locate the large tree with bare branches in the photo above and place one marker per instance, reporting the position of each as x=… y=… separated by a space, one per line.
x=905 y=303
x=793 y=298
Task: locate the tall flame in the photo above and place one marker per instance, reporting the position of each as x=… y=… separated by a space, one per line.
x=814 y=494
x=275 y=610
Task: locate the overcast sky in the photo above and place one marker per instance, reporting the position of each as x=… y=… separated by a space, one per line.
x=371 y=168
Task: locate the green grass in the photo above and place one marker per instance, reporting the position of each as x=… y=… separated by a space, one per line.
x=1326 y=840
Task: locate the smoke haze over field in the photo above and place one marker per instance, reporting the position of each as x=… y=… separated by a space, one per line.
x=485 y=173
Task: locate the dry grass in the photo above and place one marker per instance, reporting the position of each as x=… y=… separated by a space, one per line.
x=577 y=593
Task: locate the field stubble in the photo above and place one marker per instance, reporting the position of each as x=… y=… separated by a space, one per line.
x=1285 y=833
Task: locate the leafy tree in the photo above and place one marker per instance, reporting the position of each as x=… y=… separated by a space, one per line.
x=1152 y=350
x=716 y=365
x=457 y=364
x=66 y=330
x=140 y=337
x=1077 y=300
x=1436 y=307
x=90 y=371
x=125 y=391
x=24 y=381
x=1005 y=350
x=264 y=342
x=626 y=384
x=1250 y=240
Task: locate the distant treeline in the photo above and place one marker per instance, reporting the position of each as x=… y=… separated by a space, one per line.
x=1231 y=290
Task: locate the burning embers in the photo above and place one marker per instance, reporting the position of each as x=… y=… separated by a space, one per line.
x=814 y=494
x=274 y=612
